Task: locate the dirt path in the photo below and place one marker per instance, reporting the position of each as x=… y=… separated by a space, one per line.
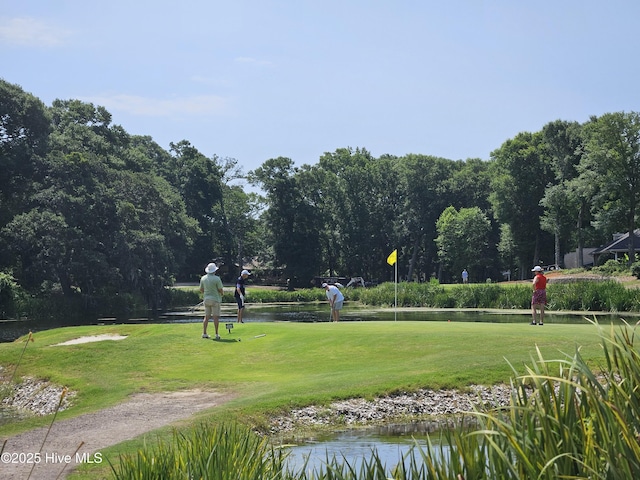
x=140 y=414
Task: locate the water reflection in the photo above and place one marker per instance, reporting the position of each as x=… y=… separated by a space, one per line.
x=390 y=444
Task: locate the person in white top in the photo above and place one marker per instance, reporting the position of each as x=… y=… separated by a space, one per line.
x=336 y=300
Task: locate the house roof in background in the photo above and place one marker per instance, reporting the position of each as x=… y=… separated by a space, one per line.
x=620 y=243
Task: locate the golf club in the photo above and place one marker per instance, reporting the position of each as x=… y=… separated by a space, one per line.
x=196 y=306
x=256 y=336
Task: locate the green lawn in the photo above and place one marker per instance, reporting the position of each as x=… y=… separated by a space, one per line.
x=294 y=364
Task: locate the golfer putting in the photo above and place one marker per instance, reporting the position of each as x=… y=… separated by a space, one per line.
x=336 y=300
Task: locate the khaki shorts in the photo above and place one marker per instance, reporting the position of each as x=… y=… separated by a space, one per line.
x=211 y=308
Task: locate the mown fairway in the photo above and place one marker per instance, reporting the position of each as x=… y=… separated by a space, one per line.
x=293 y=365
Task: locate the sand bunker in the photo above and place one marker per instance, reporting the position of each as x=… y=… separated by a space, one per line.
x=93 y=338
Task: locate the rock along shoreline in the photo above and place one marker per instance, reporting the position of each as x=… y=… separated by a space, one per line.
x=32 y=397
x=438 y=406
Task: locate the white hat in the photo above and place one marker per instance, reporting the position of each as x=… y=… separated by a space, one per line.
x=211 y=268
x=537 y=268
x=325 y=285
x=245 y=272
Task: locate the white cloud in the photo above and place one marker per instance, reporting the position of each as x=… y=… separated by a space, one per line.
x=31 y=32
x=136 y=105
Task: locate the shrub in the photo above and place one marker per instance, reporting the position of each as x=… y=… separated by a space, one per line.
x=612 y=267
x=182 y=297
x=635 y=269
x=12 y=296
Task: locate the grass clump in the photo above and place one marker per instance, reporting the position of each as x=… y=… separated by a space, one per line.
x=567 y=422
x=213 y=452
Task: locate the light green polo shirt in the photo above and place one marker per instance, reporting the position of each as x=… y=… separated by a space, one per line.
x=212 y=286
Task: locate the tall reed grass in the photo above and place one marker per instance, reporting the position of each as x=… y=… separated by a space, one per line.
x=211 y=452
x=591 y=296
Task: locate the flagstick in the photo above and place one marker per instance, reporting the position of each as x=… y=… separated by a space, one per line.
x=395 y=314
x=393 y=257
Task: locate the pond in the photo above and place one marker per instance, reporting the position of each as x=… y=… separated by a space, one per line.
x=389 y=442
x=13 y=329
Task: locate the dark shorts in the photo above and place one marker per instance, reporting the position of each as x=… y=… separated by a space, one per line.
x=539 y=297
x=239 y=302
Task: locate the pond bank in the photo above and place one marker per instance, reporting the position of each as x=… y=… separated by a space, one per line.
x=437 y=406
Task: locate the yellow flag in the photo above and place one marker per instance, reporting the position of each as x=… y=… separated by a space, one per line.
x=393 y=257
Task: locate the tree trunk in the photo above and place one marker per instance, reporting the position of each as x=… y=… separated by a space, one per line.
x=536 y=251
x=580 y=245
x=414 y=257
x=557 y=246
x=65 y=283
x=632 y=236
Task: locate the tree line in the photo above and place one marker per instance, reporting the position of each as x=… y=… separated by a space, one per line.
x=540 y=195
x=88 y=209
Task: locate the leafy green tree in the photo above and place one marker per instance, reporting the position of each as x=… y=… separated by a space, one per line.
x=463 y=241
x=582 y=191
x=364 y=209
x=153 y=235
x=557 y=212
x=291 y=219
x=425 y=182
x=322 y=191
x=40 y=242
x=95 y=230
x=84 y=127
x=562 y=143
x=239 y=214
x=520 y=174
x=25 y=125
x=469 y=184
x=612 y=151
x=198 y=181
x=78 y=216
x=103 y=224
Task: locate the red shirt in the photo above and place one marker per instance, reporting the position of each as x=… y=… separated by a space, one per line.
x=541 y=282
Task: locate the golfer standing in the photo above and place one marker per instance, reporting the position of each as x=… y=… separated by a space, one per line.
x=539 y=297
x=240 y=293
x=211 y=289
x=336 y=300
x=465 y=276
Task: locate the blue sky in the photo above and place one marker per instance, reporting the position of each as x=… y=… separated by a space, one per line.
x=254 y=80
